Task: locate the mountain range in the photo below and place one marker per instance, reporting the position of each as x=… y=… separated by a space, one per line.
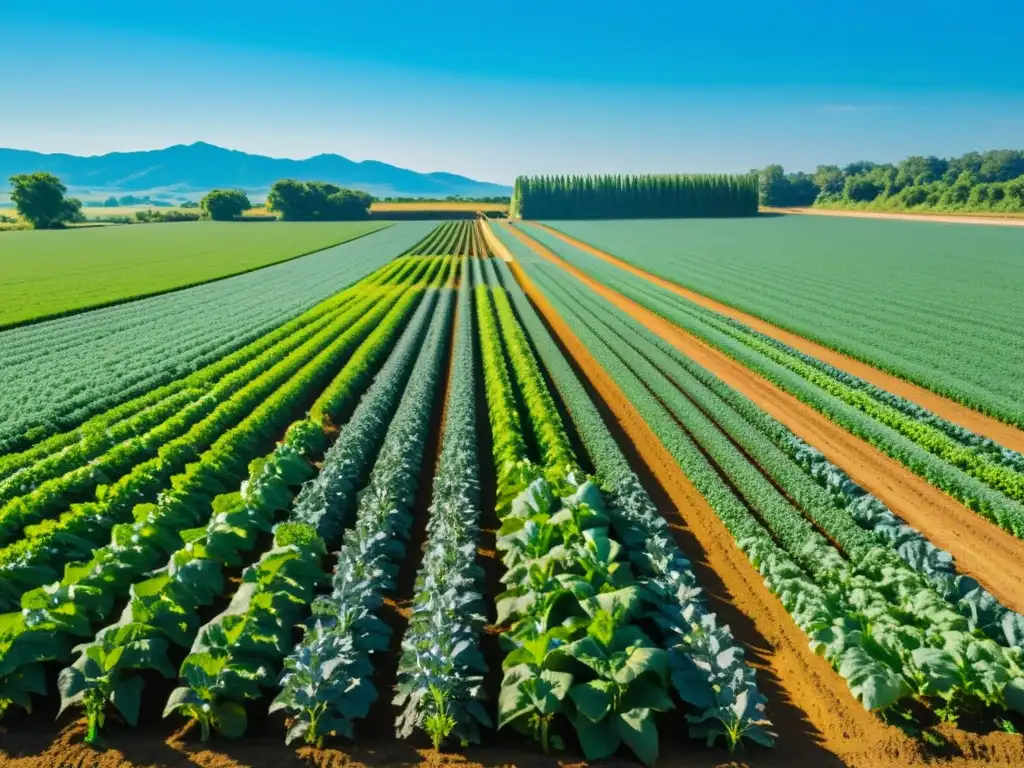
x=194 y=169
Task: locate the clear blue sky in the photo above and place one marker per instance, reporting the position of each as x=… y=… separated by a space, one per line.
x=495 y=89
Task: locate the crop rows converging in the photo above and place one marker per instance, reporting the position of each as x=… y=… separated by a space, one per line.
x=875 y=598
x=939 y=306
x=453 y=238
x=58 y=373
x=982 y=474
x=419 y=497
x=294 y=531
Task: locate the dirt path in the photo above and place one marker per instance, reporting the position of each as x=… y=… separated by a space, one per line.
x=985 y=551
x=941 y=218
x=843 y=727
x=1004 y=434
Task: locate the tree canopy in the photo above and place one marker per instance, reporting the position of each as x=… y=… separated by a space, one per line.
x=977 y=181
x=225 y=204
x=40 y=199
x=627 y=197
x=317 y=201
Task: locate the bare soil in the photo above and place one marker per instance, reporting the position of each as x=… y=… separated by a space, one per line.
x=1004 y=434
x=836 y=727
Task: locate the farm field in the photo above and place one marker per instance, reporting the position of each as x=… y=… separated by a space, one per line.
x=462 y=493
x=48 y=273
x=60 y=371
x=903 y=296
x=102 y=211
x=443 y=205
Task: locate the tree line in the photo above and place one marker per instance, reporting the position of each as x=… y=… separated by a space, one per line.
x=628 y=197
x=977 y=181
x=41 y=200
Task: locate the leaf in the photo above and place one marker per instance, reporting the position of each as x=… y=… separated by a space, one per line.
x=643 y=661
x=71 y=683
x=183 y=696
x=230 y=719
x=597 y=739
x=637 y=729
x=127 y=697
x=643 y=694
x=940 y=667
x=593 y=700
x=874 y=684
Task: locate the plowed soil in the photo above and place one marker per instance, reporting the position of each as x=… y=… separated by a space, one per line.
x=1004 y=434
x=836 y=726
x=985 y=551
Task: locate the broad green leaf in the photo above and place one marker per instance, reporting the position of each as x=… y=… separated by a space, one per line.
x=230 y=719
x=593 y=700
x=637 y=729
x=127 y=697
x=599 y=740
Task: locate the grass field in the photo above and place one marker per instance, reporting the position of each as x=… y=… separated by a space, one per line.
x=454 y=205
x=52 y=272
x=939 y=305
x=102 y=212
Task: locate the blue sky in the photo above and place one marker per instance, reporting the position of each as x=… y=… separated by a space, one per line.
x=493 y=90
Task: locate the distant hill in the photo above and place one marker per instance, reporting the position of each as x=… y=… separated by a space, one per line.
x=188 y=170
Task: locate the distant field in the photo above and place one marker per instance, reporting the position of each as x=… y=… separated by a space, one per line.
x=45 y=273
x=936 y=304
x=102 y=212
x=454 y=205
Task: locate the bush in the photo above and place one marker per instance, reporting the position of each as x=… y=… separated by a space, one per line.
x=317 y=201
x=225 y=204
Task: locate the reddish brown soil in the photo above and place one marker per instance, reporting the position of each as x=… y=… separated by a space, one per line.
x=1004 y=434
x=994 y=219
x=844 y=729
x=990 y=554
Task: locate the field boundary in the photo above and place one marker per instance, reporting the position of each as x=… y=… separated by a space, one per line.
x=175 y=289
x=1005 y=434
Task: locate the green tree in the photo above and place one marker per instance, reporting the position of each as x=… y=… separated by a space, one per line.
x=771 y=186
x=861 y=189
x=225 y=204
x=111 y=202
x=317 y=201
x=40 y=199
x=829 y=179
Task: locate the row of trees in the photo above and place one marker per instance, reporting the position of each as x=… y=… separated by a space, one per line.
x=977 y=181
x=630 y=197
x=317 y=201
x=41 y=200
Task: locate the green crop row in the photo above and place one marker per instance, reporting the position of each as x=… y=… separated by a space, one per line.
x=51 y=615
x=235 y=657
x=574 y=649
x=883 y=629
x=82 y=473
x=966 y=467
x=706 y=663
x=327 y=683
x=440 y=673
